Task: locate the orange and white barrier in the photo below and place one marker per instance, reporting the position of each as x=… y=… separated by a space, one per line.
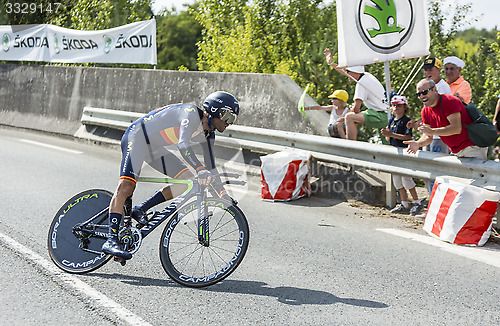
x=285 y=176
x=460 y=213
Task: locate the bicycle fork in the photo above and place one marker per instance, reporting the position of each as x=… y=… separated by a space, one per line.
x=203 y=219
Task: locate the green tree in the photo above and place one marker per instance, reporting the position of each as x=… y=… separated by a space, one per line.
x=486 y=82
x=269 y=36
x=177 y=35
x=102 y=14
x=472 y=35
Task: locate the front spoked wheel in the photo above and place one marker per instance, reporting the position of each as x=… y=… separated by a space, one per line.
x=76 y=248
x=193 y=264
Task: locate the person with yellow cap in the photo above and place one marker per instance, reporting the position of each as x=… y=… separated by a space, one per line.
x=339 y=109
x=432 y=70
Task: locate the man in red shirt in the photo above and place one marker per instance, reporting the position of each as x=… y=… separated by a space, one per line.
x=445 y=116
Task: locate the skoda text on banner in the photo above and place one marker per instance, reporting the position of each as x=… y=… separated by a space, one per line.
x=132 y=43
x=372 y=31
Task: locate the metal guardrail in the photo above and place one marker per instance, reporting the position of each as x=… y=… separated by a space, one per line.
x=109 y=118
x=383 y=158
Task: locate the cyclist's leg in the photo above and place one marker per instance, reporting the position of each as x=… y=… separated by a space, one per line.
x=133 y=154
x=124 y=190
x=178 y=189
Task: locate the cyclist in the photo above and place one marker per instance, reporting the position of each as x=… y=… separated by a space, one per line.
x=147 y=140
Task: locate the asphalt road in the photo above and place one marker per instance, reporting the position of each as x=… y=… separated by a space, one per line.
x=310 y=262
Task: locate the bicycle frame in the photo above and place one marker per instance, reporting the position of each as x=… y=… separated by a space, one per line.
x=159 y=217
x=193 y=189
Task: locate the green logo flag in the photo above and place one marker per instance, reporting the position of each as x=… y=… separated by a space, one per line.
x=371 y=31
x=386 y=16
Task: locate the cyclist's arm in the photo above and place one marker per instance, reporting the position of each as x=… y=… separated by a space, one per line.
x=209 y=159
x=189 y=122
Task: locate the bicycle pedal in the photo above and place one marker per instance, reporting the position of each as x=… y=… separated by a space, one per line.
x=120 y=260
x=142 y=222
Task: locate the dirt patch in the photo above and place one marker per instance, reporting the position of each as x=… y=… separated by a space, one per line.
x=409 y=221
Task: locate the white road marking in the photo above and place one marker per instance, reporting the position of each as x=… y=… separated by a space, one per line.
x=116 y=309
x=484 y=255
x=50 y=146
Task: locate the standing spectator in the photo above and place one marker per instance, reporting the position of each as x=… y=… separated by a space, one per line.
x=396 y=133
x=432 y=70
x=444 y=115
x=339 y=109
x=458 y=85
x=370 y=93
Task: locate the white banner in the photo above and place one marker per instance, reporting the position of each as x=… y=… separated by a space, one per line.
x=372 y=31
x=132 y=43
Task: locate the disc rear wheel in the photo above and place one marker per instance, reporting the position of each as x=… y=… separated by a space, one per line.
x=75 y=249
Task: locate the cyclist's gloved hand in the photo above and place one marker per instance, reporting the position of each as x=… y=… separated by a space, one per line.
x=204 y=177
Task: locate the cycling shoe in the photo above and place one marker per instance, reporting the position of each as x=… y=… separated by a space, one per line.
x=139 y=215
x=113 y=247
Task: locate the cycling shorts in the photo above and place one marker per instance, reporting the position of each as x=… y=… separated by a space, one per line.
x=136 y=151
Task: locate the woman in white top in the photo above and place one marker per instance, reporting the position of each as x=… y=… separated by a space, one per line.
x=339 y=109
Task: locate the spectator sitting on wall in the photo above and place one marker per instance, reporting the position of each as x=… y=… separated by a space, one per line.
x=370 y=93
x=339 y=109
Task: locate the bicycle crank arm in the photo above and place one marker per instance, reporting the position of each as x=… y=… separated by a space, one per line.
x=92 y=251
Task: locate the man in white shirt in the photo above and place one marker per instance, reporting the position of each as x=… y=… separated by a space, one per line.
x=370 y=92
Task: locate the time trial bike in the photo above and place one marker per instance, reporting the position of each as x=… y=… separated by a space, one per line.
x=203 y=242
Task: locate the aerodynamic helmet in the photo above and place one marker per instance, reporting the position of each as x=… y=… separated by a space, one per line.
x=222 y=105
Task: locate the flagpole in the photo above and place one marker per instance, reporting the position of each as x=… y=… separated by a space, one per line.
x=387 y=73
